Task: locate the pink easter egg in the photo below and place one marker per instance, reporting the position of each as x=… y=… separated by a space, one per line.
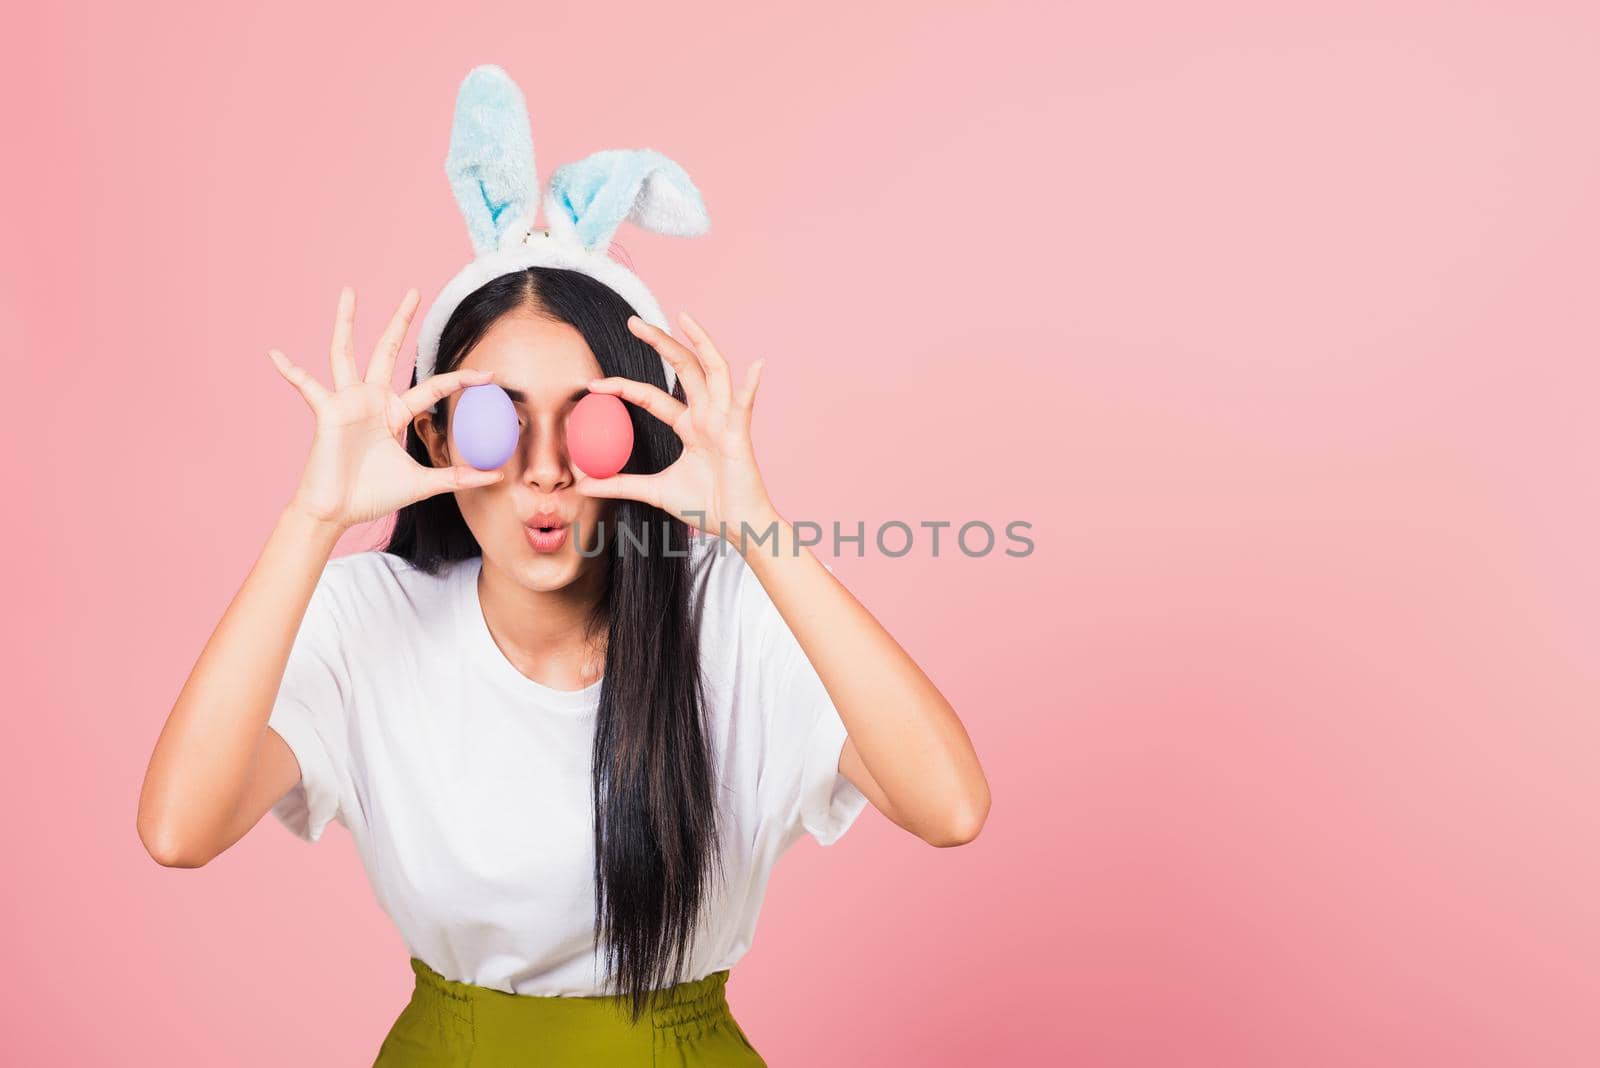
x=600 y=435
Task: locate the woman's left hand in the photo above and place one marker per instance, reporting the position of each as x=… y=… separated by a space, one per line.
x=714 y=484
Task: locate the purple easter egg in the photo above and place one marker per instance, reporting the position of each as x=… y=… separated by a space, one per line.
x=485 y=426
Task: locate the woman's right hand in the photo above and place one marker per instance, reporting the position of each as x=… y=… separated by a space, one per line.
x=359 y=469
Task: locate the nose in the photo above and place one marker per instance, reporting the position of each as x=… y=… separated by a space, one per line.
x=544 y=455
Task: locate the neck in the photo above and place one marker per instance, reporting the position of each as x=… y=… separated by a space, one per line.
x=542 y=632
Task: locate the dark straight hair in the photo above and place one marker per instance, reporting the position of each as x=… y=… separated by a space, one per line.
x=656 y=823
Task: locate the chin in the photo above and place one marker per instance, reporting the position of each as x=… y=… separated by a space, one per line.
x=546 y=572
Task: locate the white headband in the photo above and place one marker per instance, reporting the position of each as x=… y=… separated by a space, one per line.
x=491 y=171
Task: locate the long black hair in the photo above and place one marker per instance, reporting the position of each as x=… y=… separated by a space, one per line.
x=656 y=822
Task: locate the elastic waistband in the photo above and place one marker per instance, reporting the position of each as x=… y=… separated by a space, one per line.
x=682 y=1008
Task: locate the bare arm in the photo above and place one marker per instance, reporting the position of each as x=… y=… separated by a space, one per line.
x=207 y=758
x=216 y=769
x=906 y=748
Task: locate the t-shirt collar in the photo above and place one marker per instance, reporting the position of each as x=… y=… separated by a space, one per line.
x=487 y=655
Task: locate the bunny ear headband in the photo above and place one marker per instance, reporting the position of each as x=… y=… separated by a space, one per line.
x=491 y=172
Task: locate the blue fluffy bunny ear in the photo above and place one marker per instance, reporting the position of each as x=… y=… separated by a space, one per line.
x=490 y=163
x=589 y=199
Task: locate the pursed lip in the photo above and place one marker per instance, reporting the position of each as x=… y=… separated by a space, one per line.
x=544 y=520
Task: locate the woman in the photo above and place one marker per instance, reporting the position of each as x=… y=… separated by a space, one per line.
x=569 y=731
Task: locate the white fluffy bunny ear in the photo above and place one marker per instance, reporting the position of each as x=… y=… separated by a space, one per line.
x=589 y=199
x=490 y=163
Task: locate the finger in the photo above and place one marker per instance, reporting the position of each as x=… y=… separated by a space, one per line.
x=381 y=367
x=340 y=354
x=684 y=362
x=717 y=373
x=746 y=401
x=299 y=378
x=446 y=479
x=632 y=487
x=435 y=388
x=653 y=399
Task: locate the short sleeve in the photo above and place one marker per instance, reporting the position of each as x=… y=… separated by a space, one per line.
x=800 y=788
x=309 y=714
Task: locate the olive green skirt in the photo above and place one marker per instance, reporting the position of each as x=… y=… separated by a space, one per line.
x=450 y=1023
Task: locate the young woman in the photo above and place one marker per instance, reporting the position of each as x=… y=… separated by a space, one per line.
x=569 y=731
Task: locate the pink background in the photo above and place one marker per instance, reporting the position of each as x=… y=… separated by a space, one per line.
x=1279 y=328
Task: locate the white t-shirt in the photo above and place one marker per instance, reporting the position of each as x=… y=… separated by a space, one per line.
x=466 y=785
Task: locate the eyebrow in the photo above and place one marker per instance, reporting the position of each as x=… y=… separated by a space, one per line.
x=522 y=398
